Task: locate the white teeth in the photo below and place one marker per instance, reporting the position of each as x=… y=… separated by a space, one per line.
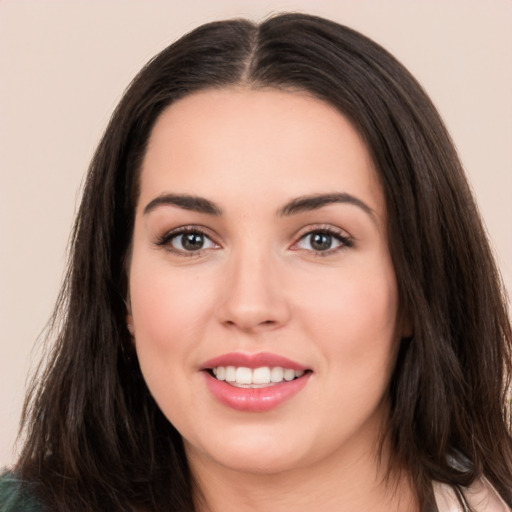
x=230 y=373
x=243 y=375
x=276 y=374
x=259 y=377
x=289 y=374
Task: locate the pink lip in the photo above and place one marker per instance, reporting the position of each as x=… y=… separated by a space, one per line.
x=254 y=399
x=252 y=361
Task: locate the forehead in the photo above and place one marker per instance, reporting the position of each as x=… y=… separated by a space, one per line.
x=241 y=141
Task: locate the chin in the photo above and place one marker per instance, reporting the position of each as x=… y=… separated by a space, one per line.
x=250 y=454
x=261 y=463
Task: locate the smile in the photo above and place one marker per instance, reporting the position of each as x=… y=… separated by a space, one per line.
x=254 y=382
x=255 y=378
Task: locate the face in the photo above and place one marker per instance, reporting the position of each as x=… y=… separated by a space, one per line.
x=263 y=300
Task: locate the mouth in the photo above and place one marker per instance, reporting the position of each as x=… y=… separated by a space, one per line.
x=254 y=382
x=262 y=377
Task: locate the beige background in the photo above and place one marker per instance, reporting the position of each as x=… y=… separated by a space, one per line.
x=64 y=65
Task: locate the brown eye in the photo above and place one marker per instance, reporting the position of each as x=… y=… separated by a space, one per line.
x=191 y=241
x=320 y=241
x=323 y=241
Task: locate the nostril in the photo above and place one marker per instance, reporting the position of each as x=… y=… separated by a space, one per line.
x=250 y=325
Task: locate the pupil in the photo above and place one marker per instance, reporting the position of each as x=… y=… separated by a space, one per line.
x=192 y=241
x=321 y=241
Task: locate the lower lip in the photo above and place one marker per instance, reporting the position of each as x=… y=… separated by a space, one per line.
x=255 y=399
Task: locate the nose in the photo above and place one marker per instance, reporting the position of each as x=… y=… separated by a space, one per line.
x=253 y=299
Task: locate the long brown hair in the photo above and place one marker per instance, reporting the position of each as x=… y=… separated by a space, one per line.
x=96 y=440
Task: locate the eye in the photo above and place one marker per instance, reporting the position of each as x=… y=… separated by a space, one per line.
x=191 y=241
x=323 y=241
x=187 y=241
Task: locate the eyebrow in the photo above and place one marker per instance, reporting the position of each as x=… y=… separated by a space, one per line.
x=295 y=206
x=185 y=201
x=316 y=201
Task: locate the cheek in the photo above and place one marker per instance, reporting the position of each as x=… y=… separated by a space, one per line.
x=167 y=304
x=165 y=309
x=171 y=310
x=353 y=319
x=355 y=302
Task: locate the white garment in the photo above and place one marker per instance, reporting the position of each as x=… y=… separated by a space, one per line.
x=480 y=496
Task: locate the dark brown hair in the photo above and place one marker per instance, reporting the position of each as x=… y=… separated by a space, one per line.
x=96 y=440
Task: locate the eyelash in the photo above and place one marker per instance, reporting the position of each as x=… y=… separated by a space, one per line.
x=346 y=242
x=166 y=239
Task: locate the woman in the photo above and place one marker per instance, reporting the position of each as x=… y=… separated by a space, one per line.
x=280 y=295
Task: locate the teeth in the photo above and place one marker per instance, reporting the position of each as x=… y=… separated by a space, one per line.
x=230 y=373
x=276 y=374
x=259 y=377
x=289 y=374
x=243 y=375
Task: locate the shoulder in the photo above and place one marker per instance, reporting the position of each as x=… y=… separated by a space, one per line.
x=480 y=496
x=14 y=497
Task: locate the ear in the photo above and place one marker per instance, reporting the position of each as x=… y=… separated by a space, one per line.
x=129 y=324
x=129 y=317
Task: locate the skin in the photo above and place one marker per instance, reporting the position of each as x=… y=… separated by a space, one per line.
x=258 y=285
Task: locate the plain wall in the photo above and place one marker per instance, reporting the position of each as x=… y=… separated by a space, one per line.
x=64 y=66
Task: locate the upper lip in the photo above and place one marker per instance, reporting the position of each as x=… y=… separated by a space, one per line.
x=252 y=361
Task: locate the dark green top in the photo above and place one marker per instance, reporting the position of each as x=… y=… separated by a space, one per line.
x=14 y=498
